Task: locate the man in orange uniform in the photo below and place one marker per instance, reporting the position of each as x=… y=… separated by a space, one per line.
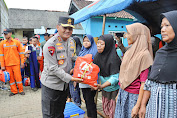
x=10 y=54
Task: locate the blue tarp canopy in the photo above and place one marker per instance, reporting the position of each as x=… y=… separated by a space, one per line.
x=101 y=7
x=149 y=9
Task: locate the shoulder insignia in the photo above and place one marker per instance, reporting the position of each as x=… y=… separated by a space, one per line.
x=59 y=39
x=51 y=50
x=72 y=47
x=71 y=43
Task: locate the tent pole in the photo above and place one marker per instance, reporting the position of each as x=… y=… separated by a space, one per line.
x=104 y=20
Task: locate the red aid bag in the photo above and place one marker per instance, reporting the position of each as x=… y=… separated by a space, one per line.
x=84 y=68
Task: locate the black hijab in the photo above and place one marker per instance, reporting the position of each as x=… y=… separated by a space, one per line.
x=165 y=64
x=108 y=61
x=78 y=44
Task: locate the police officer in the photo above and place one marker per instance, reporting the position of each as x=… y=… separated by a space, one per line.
x=58 y=55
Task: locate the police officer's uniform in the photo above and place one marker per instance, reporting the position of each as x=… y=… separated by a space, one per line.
x=58 y=56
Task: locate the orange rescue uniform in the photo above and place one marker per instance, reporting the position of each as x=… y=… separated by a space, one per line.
x=10 y=55
x=41 y=61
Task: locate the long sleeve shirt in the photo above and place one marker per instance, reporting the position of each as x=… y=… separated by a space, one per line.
x=11 y=53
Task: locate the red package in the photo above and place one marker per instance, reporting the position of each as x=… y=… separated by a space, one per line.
x=84 y=68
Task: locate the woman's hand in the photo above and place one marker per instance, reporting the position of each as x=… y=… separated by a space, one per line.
x=135 y=111
x=142 y=112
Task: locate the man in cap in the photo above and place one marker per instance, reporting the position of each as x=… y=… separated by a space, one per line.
x=46 y=37
x=58 y=54
x=11 y=55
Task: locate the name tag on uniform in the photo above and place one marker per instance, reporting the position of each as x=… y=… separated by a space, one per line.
x=60 y=51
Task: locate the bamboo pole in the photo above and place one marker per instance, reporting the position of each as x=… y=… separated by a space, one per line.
x=104 y=21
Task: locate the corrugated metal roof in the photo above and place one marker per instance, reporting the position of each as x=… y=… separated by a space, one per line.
x=121 y=14
x=82 y=3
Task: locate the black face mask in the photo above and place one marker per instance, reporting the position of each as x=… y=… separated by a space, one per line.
x=164 y=68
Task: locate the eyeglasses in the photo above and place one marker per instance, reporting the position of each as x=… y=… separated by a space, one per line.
x=69 y=28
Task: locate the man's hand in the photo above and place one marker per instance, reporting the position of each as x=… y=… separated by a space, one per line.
x=22 y=65
x=76 y=79
x=3 y=68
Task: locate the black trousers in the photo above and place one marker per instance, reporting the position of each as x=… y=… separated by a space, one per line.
x=90 y=103
x=53 y=102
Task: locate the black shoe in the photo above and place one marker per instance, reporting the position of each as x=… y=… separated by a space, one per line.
x=22 y=93
x=12 y=94
x=34 y=89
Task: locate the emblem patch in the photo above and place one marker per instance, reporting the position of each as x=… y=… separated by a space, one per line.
x=60 y=62
x=69 y=21
x=51 y=50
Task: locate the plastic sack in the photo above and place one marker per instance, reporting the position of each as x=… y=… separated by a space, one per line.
x=85 y=69
x=4 y=76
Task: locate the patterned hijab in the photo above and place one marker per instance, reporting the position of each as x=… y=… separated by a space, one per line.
x=108 y=61
x=91 y=50
x=139 y=57
x=164 y=68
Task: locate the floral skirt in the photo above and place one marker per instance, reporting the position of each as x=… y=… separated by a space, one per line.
x=163 y=100
x=125 y=103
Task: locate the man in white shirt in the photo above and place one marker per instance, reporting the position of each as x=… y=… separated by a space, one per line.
x=35 y=48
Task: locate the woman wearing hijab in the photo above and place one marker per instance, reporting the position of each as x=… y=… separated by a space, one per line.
x=89 y=47
x=134 y=71
x=73 y=86
x=109 y=64
x=161 y=86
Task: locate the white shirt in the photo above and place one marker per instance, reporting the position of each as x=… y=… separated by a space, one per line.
x=34 y=48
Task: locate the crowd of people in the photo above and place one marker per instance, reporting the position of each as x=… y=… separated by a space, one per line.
x=139 y=84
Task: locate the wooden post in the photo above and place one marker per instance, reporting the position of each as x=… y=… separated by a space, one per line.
x=103 y=27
